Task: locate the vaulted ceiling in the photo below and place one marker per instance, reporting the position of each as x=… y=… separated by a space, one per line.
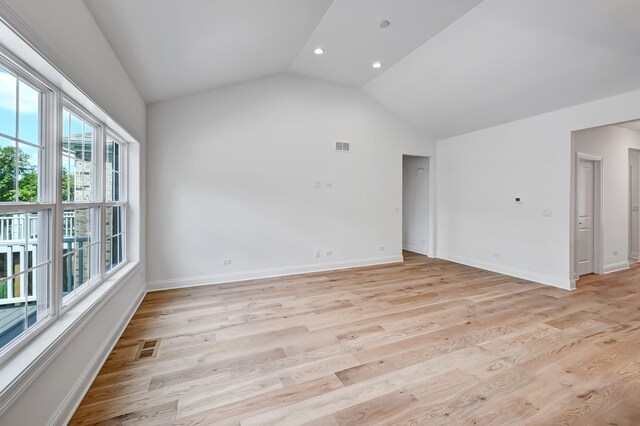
x=448 y=66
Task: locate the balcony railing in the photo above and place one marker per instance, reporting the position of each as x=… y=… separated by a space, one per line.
x=12 y=228
x=14 y=258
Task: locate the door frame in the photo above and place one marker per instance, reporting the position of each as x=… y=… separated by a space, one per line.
x=598 y=208
x=636 y=258
x=432 y=239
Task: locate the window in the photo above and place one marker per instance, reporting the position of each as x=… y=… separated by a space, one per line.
x=115 y=207
x=81 y=216
x=26 y=205
x=63 y=203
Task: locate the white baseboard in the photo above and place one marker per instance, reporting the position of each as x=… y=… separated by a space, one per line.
x=74 y=397
x=266 y=273
x=416 y=249
x=615 y=267
x=563 y=283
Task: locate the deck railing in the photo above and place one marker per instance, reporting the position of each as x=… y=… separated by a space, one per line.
x=13 y=257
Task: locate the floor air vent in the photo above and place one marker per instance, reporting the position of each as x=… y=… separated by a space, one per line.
x=147 y=349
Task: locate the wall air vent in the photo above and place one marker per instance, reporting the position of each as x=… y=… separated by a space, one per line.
x=342 y=146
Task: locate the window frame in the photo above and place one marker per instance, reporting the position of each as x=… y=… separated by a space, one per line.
x=122 y=203
x=97 y=198
x=47 y=192
x=53 y=101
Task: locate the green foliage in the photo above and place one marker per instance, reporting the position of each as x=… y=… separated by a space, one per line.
x=68 y=186
x=26 y=173
x=28 y=178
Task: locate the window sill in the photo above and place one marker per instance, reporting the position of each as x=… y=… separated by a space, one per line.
x=17 y=373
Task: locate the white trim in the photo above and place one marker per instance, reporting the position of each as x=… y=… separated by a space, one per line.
x=615 y=267
x=598 y=213
x=267 y=273
x=432 y=202
x=559 y=282
x=20 y=371
x=65 y=411
x=415 y=249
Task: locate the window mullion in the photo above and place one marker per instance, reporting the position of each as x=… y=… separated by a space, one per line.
x=16 y=184
x=56 y=117
x=100 y=171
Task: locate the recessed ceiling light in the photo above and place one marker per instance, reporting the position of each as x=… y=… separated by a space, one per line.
x=318 y=51
x=377 y=64
x=384 y=23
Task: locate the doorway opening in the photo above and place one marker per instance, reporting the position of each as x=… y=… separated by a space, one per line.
x=634 y=205
x=588 y=231
x=605 y=200
x=415 y=204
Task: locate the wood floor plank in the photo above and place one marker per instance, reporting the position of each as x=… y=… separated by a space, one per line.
x=422 y=342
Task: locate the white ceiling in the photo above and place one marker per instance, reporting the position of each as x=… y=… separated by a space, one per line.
x=511 y=59
x=171 y=48
x=352 y=38
x=449 y=66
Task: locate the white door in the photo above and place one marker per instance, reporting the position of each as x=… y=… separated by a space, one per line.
x=585 y=234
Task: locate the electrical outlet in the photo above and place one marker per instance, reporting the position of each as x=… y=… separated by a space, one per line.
x=381 y=248
x=226 y=262
x=496 y=254
x=615 y=252
x=328 y=252
x=317 y=184
x=316 y=254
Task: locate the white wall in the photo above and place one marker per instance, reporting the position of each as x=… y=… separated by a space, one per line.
x=232 y=173
x=634 y=205
x=612 y=144
x=65 y=32
x=480 y=173
x=415 y=204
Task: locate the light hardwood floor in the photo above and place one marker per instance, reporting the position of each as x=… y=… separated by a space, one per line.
x=424 y=342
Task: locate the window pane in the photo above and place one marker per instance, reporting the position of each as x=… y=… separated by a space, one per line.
x=12 y=321
x=82 y=271
x=112 y=170
x=24 y=292
x=7 y=103
x=7 y=170
x=107 y=255
x=28 y=168
x=113 y=221
x=88 y=142
x=67 y=273
x=79 y=248
x=12 y=248
x=116 y=186
x=77 y=228
x=83 y=190
x=78 y=169
x=114 y=225
x=29 y=112
x=38 y=299
x=118 y=250
x=68 y=181
x=116 y=157
x=76 y=131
